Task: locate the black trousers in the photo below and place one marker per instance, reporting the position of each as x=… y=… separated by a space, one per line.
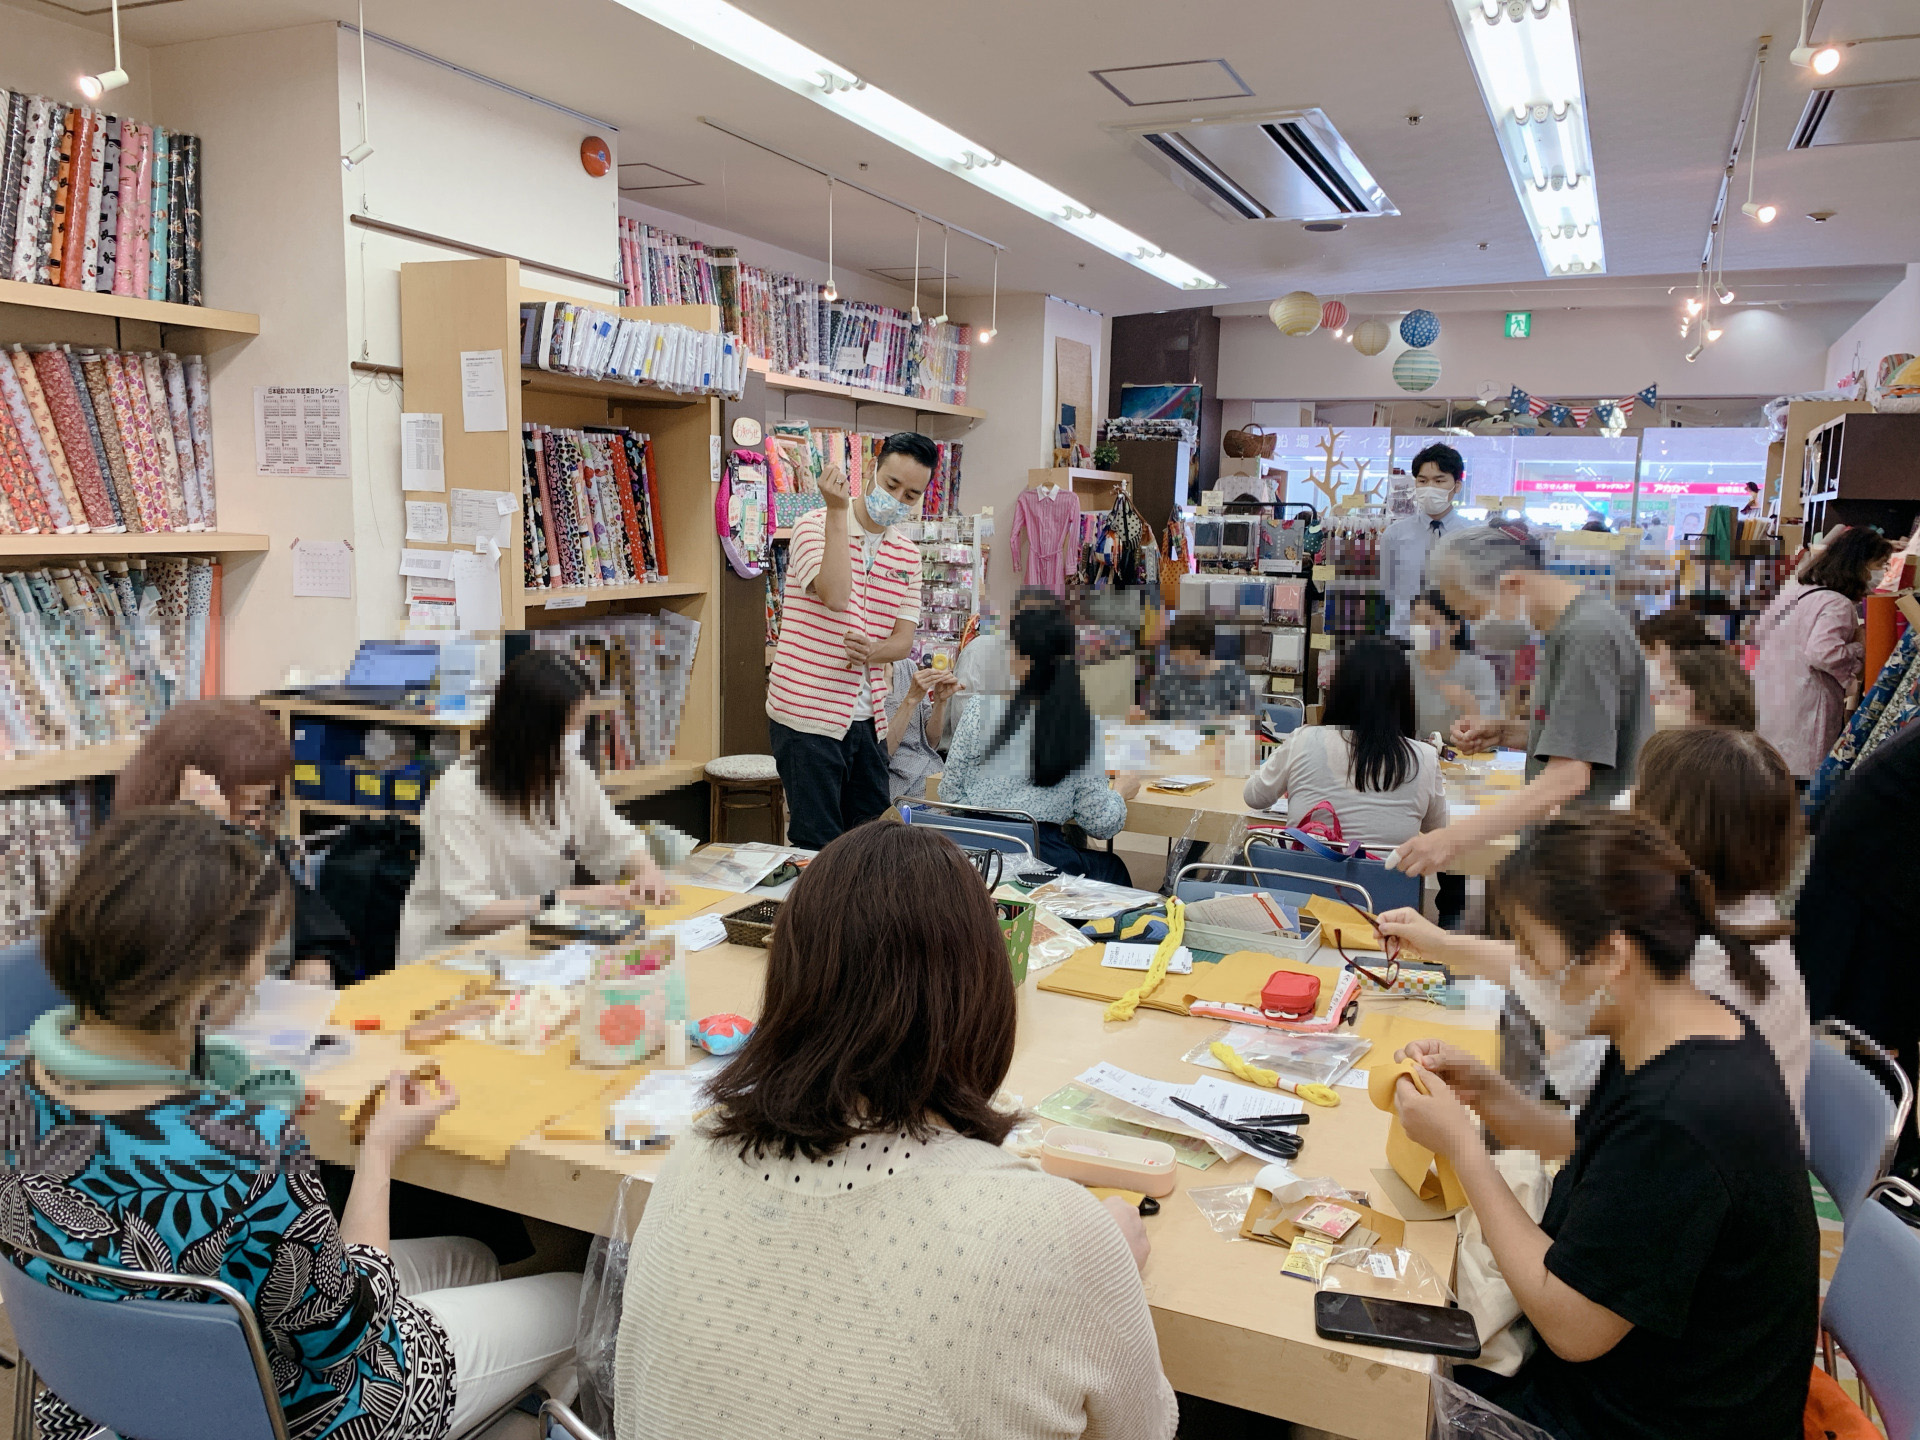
x=831 y=785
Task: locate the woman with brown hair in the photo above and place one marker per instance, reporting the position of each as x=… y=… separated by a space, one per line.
x=1708 y=686
x=232 y=759
x=1673 y=1280
x=851 y=1174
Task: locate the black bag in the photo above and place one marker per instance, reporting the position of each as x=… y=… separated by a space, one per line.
x=368 y=871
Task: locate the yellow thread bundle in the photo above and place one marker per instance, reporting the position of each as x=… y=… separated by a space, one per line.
x=1123 y=1008
x=1270 y=1079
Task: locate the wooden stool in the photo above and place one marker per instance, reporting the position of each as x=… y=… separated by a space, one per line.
x=745 y=782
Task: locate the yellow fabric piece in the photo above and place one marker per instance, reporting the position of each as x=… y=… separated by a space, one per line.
x=1342 y=924
x=693 y=899
x=1237 y=979
x=1428 y=1175
x=1123 y=1008
x=1390 y=1030
x=587 y=1122
x=506 y=1095
x=404 y=994
x=1506 y=780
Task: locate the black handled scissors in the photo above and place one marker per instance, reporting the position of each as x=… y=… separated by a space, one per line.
x=1269 y=1135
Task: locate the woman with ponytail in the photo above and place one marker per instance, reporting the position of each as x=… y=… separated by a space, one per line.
x=1674 y=1277
x=1036 y=751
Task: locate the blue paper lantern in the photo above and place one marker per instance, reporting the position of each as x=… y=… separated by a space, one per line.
x=1420 y=328
x=1416 y=369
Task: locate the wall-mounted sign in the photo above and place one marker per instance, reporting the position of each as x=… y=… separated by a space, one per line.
x=1519 y=324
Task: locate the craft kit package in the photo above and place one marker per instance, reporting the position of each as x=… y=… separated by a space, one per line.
x=634 y=992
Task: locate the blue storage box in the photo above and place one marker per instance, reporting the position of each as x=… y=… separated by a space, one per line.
x=336 y=784
x=407 y=787
x=307 y=781
x=326 y=742
x=369 y=788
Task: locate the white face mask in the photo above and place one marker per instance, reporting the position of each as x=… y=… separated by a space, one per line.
x=1544 y=1002
x=1656 y=677
x=1422 y=637
x=574 y=742
x=1432 y=500
x=1498 y=630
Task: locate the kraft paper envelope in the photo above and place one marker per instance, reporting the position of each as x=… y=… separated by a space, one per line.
x=1236 y=979
x=405 y=994
x=693 y=899
x=1429 y=1176
x=507 y=1094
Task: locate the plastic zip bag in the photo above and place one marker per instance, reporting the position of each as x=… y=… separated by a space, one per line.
x=602 y=1292
x=1077 y=898
x=1224 y=1207
x=1456 y=1413
x=1385 y=1274
x=1318 y=1059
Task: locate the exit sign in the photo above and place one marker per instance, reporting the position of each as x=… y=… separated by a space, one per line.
x=1519 y=324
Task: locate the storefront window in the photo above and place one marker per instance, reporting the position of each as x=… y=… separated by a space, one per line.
x=1570 y=480
x=1489 y=462
x=1684 y=471
x=1360 y=456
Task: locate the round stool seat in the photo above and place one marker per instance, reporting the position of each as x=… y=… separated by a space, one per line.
x=743 y=768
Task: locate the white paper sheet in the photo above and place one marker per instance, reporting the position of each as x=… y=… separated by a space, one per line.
x=1509 y=759
x=1215 y=1096
x=475 y=513
x=300 y=430
x=428 y=564
x=483 y=390
x=1120 y=955
x=476 y=590
x=323 y=568
x=427 y=520
x=423 y=463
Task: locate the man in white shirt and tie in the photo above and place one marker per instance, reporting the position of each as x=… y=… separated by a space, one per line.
x=1437 y=473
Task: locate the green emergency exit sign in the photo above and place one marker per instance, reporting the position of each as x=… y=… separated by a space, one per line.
x=1519 y=324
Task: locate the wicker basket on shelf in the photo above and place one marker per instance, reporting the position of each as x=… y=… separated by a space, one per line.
x=753 y=925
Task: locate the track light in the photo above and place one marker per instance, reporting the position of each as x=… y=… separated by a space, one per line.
x=1822 y=60
x=1723 y=294
x=1763 y=213
x=914 y=313
x=1694 y=354
x=92 y=87
x=832 y=292
x=1685 y=326
x=359 y=153
x=356 y=155
x=946 y=237
x=1714 y=332
x=993 y=322
x=1693 y=305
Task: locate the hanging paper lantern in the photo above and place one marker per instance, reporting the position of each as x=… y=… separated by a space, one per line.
x=1416 y=369
x=1297 y=313
x=1370 y=337
x=1333 y=315
x=1420 y=328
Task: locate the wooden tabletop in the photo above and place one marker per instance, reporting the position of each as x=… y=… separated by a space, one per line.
x=1232 y=1328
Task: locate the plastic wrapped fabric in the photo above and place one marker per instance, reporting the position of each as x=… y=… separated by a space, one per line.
x=602 y=1293
x=1456 y=1413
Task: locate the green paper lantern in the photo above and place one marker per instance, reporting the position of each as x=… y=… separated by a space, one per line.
x=1416 y=370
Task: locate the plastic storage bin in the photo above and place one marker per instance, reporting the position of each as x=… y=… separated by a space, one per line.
x=407 y=788
x=325 y=742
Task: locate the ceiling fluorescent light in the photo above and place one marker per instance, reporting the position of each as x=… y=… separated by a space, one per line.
x=732 y=33
x=1526 y=57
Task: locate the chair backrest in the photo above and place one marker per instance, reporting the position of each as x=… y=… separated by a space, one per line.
x=1284 y=717
x=1187 y=884
x=1873 y=1307
x=1011 y=831
x=25 y=991
x=1339 y=879
x=159 y=1369
x=1853 y=1123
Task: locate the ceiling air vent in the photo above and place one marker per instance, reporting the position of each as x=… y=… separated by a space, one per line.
x=1859 y=115
x=1285 y=165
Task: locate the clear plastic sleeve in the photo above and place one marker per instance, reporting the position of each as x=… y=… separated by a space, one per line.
x=1318 y=1059
x=1458 y=1414
x=1386 y=1274
x=1224 y=1207
x=1079 y=898
x=602 y=1289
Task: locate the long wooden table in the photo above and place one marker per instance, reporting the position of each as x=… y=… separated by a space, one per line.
x=1232 y=1328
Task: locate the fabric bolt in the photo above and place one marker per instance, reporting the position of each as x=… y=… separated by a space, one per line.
x=629 y=516
x=96 y=198
x=536 y=552
x=76 y=372
x=30 y=415
x=69 y=419
x=109 y=247
x=176 y=219
x=563 y=458
x=170 y=573
x=200 y=422
x=35 y=222
x=51 y=437
x=135 y=176
x=199 y=607
x=149 y=199
x=158 y=417
x=190 y=222
x=25 y=499
x=590 y=496
x=12 y=160
x=15 y=473
x=1899 y=713
x=137 y=432
x=179 y=420
x=60 y=211
x=157 y=228
x=49 y=257
x=99 y=375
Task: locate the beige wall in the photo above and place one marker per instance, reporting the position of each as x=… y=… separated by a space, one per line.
x=1891 y=328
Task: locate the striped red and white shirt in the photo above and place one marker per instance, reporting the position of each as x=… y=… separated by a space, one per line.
x=812 y=687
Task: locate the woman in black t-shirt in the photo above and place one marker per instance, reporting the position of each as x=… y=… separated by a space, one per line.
x=1673 y=1279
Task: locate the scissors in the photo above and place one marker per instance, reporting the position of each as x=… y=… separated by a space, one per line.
x=1269 y=1135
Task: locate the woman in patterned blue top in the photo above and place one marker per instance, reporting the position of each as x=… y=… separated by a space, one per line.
x=113 y=1163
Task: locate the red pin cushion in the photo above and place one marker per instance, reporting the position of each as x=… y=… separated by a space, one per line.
x=1289 y=995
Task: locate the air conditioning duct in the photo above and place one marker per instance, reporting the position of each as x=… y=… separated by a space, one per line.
x=1278 y=165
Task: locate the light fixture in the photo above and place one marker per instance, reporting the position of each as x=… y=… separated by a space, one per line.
x=914 y=313
x=735 y=35
x=1821 y=59
x=1722 y=293
x=993 y=322
x=946 y=238
x=1685 y=325
x=1694 y=354
x=1750 y=137
x=1763 y=213
x=92 y=87
x=1714 y=332
x=832 y=294
x=1693 y=305
x=1526 y=57
x=359 y=153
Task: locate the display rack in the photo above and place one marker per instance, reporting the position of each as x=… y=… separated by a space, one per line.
x=51 y=314
x=1728 y=594
x=953 y=575
x=796 y=384
x=455 y=306
x=1862 y=469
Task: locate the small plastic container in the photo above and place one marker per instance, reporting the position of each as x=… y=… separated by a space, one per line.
x=1124 y=1162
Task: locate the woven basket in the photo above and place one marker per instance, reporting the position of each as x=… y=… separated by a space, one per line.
x=753 y=925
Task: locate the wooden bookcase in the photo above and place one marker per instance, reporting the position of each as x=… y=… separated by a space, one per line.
x=51 y=315
x=451 y=306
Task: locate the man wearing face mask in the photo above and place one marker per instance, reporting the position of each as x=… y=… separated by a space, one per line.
x=1591 y=707
x=851 y=608
x=1437 y=473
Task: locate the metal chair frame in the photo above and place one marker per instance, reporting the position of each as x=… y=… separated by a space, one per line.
x=1860 y=1046
x=1185 y=872
x=977 y=812
x=564 y=1417
x=1829 y=1350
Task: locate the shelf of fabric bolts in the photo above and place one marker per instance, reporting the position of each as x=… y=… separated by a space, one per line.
x=87 y=544
x=800 y=385
x=58 y=767
x=128 y=307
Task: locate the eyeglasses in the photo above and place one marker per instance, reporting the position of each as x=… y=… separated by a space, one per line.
x=255 y=838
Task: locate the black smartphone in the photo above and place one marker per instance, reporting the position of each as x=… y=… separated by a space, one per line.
x=1397 y=1324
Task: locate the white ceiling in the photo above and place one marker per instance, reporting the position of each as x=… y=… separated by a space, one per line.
x=1663 y=80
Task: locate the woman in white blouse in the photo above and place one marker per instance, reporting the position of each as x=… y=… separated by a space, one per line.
x=1362 y=758
x=504 y=830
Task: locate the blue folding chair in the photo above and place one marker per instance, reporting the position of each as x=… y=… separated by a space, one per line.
x=1329 y=877
x=1857 y=1103
x=1010 y=831
x=26 y=992
x=159 y=1369
x=1872 y=1309
x=1283 y=716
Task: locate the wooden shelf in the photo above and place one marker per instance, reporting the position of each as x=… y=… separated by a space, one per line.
x=663 y=590
x=56 y=767
x=872 y=397
x=1077 y=480
x=370 y=714
x=170 y=542
x=126 y=307
x=347 y=812
x=552 y=382
x=625 y=785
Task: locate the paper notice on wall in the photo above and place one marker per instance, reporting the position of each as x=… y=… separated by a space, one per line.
x=434 y=564
x=427 y=520
x=476 y=590
x=423 y=456
x=323 y=568
x=433 y=615
x=476 y=513
x=430 y=587
x=300 y=430
x=483 y=390
x=849 y=357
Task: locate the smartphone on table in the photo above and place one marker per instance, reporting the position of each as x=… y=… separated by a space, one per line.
x=1396 y=1324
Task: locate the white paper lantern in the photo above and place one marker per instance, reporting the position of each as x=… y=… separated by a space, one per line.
x=1370 y=337
x=1416 y=370
x=1297 y=313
